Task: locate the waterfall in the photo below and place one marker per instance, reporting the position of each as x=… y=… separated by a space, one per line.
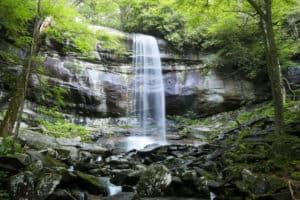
x=149 y=95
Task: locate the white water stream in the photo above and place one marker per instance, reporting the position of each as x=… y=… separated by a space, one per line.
x=149 y=94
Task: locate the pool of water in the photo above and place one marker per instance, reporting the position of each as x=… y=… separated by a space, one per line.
x=128 y=143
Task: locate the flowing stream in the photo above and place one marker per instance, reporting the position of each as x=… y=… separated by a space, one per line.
x=149 y=95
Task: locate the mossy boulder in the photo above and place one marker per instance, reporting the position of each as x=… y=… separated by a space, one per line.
x=154 y=181
x=296 y=176
x=22 y=186
x=46 y=185
x=261 y=185
x=49 y=161
x=91 y=183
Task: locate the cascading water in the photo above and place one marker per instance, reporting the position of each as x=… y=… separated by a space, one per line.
x=149 y=93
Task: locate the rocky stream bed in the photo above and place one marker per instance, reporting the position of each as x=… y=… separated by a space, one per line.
x=67 y=169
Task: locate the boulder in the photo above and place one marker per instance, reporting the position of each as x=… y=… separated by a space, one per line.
x=92 y=184
x=36 y=140
x=261 y=186
x=22 y=186
x=14 y=163
x=207 y=93
x=61 y=194
x=46 y=185
x=154 y=181
x=55 y=68
x=293 y=75
x=69 y=147
x=127 y=177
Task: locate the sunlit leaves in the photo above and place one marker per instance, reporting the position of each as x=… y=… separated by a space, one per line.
x=17 y=20
x=14 y=15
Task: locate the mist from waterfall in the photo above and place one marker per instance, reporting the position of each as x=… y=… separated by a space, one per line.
x=149 y=95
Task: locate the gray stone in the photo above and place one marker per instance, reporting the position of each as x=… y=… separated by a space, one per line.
x=61 y=194
x=46 y=185
x=154 y=181
x=293 y=75
x=67 y=145
x=126 y=177
x=55 y=68
x=12 y=163
x=189 y=175
x=22 y=186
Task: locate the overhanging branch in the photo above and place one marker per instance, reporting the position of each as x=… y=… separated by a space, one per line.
x=256 y=7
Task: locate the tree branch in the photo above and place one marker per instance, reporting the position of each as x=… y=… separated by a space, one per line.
x=243 y=12
x=39 y=8
x=256 y=7
x=289 y=87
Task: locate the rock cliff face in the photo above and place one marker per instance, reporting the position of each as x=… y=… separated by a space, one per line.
x=100 y=85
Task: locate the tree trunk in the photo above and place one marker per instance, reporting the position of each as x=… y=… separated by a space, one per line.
x=264 y=11
x=8 y=125
x=273 y=66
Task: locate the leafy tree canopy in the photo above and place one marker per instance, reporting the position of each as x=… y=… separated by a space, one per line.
x=16 y=22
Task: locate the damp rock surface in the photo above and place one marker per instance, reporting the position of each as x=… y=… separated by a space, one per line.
x=154 y=181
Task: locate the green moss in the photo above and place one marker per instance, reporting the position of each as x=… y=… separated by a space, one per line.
x=57 y=126
x=10 y=146
x=62 y=128
x=50 y=112
x=296 y=176
x=209 y=176
x=184 y=132
x=9 y=57
x=275 y=183
x=91 y=183
x=265 y=110
x=292 y=112
x=270 y=154
x=111 y=42
x=51 y=162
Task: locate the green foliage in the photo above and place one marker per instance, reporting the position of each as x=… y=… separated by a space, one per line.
x=273 y=155
x=56 y=93
x=289 y=38
x=156 y=19
x=105 y=12
x=65 y=22
x=56 y=125
x=265 y=110
x=53 y=95
x=111 y=42
x=227 y=121
x=62 y=128
x=296 y=176
x=233 y=38
x=50 y=112
x=14 y=18
x=68 y=27
x=231 y=31
x=236 y=46
x=291 y=115
x=9 y=146
x=9 y=57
